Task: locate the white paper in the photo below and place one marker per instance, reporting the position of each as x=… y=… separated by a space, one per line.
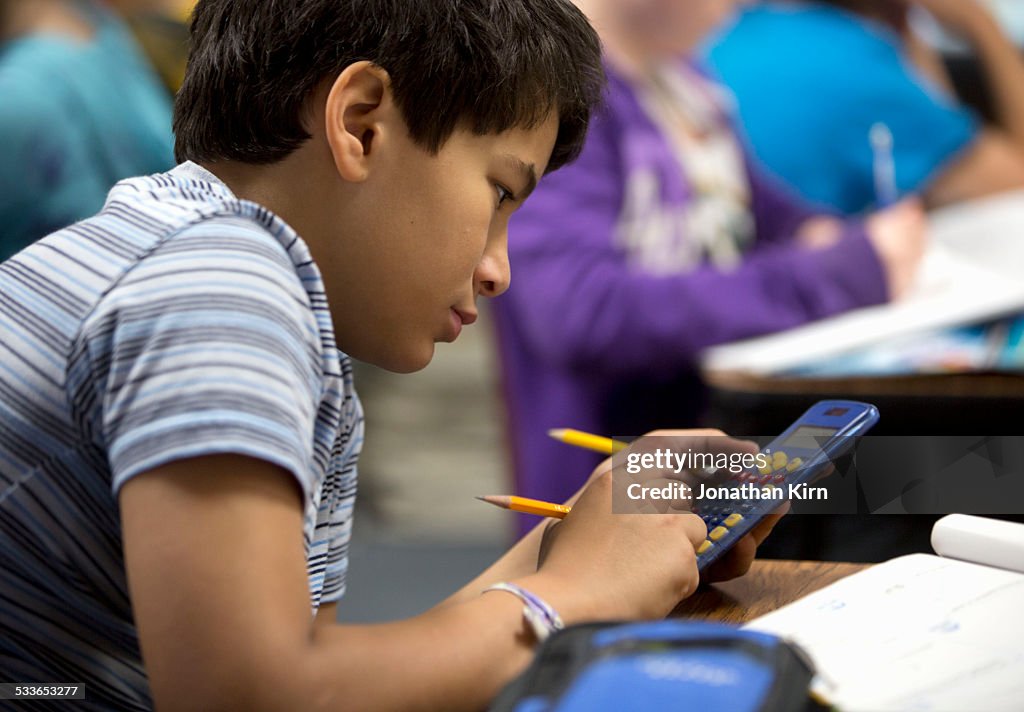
x=916 y=633
x=973 y=271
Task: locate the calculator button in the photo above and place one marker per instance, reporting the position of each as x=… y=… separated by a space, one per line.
x=766 y=479
x=779 y=459
x=794 y=463
x=717 y=533
x=765 y=470
x=779 y=479
x=769 y=487
x=733 y=519
x=704 y=546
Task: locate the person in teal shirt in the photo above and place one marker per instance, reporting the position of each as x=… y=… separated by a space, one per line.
x=81 y=110
x=811 y=79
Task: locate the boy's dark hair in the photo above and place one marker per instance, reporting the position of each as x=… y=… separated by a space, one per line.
x=488 y=65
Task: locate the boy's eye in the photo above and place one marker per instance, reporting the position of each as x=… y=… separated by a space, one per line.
x=504 y=194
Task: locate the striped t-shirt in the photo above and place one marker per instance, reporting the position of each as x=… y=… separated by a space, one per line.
x=179 y=321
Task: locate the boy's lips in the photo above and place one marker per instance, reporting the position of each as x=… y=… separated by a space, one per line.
x=465 y=317
x=456 y=322
x=458 y=319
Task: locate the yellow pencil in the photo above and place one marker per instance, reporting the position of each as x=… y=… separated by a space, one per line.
x=568 y=436
x=597 y=443
x=529 y=506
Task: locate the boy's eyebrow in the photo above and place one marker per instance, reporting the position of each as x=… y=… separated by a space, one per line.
x=528 y=172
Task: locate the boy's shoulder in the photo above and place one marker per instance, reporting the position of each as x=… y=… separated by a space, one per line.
x=185 y=230
x=187 y=218
x=164 y=238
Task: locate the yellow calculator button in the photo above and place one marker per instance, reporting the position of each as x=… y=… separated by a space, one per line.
x=768 y=487
x=794 y=463
x=717 y=533
x=733 y=519
x=704 y=546
x=779 y=459
x=765 y=470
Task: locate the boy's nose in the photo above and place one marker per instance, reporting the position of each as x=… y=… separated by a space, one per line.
x=493 y=275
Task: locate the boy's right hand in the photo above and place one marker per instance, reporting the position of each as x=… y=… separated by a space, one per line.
x=632 y=566
x=619 y=566
x=899 y=236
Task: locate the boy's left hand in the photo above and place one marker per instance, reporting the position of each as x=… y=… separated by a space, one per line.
x=738 y=559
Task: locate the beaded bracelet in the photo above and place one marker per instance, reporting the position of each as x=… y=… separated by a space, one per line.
x=542 y=618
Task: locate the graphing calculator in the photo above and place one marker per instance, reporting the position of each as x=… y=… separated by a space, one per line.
x=828 y=430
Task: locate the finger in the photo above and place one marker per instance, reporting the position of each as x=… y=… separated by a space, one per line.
x=739 y=558
x=764 y=527
x=695 y=528
x=735 y=563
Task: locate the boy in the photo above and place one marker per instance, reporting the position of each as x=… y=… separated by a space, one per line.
x=179 y=424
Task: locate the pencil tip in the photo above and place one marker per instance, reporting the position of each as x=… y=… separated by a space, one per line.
x=482 y=499
x=556 y=432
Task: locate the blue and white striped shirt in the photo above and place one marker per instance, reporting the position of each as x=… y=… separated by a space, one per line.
x=179 y=321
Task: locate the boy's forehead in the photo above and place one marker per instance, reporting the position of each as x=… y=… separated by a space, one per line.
x=527 y=149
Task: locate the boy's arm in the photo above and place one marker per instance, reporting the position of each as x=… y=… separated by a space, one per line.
x=216 y=572
x=327 y=614
x=214 y=556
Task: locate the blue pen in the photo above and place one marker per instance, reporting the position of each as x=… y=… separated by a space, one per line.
x=884 y=165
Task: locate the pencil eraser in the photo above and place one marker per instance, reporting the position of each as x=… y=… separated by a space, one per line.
x=992 y=542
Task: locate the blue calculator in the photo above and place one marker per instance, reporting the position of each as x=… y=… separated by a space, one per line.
x=792 y=461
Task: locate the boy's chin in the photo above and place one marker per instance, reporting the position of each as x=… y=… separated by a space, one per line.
x=415 y=358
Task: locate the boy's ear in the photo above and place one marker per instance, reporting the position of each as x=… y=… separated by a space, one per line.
x=359 y=109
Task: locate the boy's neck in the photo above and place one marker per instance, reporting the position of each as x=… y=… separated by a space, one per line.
x=288 y=188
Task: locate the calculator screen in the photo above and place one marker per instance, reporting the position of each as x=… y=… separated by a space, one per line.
x=809 y=437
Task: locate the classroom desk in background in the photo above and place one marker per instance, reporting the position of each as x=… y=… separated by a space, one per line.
x=954 y=404
x=768 y=585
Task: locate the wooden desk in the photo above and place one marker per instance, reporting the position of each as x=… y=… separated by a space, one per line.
x=767 y=586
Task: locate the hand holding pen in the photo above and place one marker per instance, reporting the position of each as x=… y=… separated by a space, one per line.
x=735 y=563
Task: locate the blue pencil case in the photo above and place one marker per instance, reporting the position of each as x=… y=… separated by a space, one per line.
x=662 y=665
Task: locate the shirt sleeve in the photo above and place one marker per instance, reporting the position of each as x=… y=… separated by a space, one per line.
x=208 y=346
x=338 y=498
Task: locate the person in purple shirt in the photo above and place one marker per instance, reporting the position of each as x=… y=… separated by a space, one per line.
x=662 y=240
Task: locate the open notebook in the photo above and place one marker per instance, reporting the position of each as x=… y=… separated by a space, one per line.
x=919 y=632
x=971 y=273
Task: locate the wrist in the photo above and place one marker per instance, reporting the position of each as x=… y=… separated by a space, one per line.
x=541 y=619
x=572 y=602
